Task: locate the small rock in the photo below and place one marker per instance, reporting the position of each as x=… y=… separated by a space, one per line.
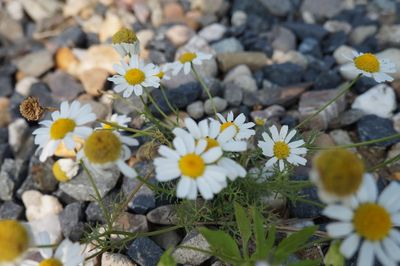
x=341 y=137
x=277 y=7
x=254 y=60
x=241 y=77
x=372 y=127
x=39 y=206
x=39 y=10
x=334 y=41
x=115 y=259
x=179 y=34
x=11 y=210
x=144 y=251
x=40 y=176
x=36 y=63
x=110 y=25
x=66 y=60
x=233 y=94
x=238 y=18
x=24 y=85
x=195 y=109
x=219 y=103
x=396 y=122
x=81 y=189
x=322 y=8
x=167 y=240
x=71 y=37
x=283 y=39
x=342 y=54
x=143 y=201
x=173 y=12
x=213 y=32
x=337 y=26
x=283 y=74
x=63 y=86
x=6 y=87
x=74 y=7
x=304 y=30
x=229 y=45
x=51 y=224
x=389 y=35
x=5 y=114
x=346 y=118
x=272 y=112
x=310 y=46
x=165 y=215
x=11 y=29
x=189 y=256
x=379 y=100
x=99 y=56
x=293 y=57
x=71 y=221
x=133 y=223
x=311 y=101
x=94 y=80
x=361 y=33
x=17 y=133
x=8 y=180
x=327 y=80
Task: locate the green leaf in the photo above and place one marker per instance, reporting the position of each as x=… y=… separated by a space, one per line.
x=333 y=257
x=293 y=243
x=306 y=263
x=221 y=243
x=243 y=223
x=166 y=259
x=263 y=244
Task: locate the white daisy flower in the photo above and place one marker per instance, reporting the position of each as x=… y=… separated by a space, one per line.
x=368 y=224
x=135 y=76
x=15 y=240
x=163 y=73
x=65 y=169
x=338 y=174
x=64 y=126
x=121 y=120
x=194 y=165
x=186 y=60
x=281 y=149
x=243 y=129
x=210 y=131
x=125 y=42
x=370 y=65
x=66 y=254
x=105 y=148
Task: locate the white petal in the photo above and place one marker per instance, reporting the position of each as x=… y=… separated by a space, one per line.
x=349 y=246
x=338 y=212
x=83 y=132
x=214 y=129
x=186 y=68
x=126 y=169
x=271 y=162
x=289 y=137
x=274 y=133
x=69 y=142
x=281 y=165
x=234 y=146
x=204 y=188
x=382 y=256
x=339 y=229
x=366 y=254
x=203 y=126
x=168 y=152
x=391 y=248
x=296 y=144
x=221 y=118
x=227 y=134
x=191 y=125
x=283 y=133
x=390 y=195
x=179 y=146
x=212 y=155
x=183 y=187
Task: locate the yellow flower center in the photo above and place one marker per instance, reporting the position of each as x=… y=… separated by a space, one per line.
x=134 y=76
x=14 y=240
x=187 y=57
x=59 y=174
x=160 y=74
x=124 y=35
x=192 y=165
x=61 y=127
x=103 y=146
x=260 y=121
x=50 y=262
x=340 y=171
x=211 y=143
x=367 y=62
x=372 y=221
x=228 y=124
x=281 y=150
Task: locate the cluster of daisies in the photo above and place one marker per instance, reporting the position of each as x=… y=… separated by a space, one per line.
x=18 y=240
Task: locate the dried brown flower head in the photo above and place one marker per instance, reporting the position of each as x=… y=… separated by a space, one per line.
x=31 y=109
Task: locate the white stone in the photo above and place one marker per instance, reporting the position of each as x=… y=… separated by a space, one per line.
x=361 y=33
x=213 y=32
x=39 y=206
x=379 y=100
x=51 y=225
x=179 y=34
x=17 y=131
x=115 y=259
x=241 y=76
x=239 y=18
x=341 y=53
x=23 y=86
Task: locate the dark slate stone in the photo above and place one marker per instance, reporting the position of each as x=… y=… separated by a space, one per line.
x=283 y=74
x=301 y=209
x=259 y=77
x=42 y=91
x=93 y=211
x=164 y=46
x=333 y=41
x=327 y=80
x=355 y=16
x=289 y=120
x=92 y=39
x=215 y=87
x=363 y=84
x=6 y=86
x=372 y=127
x=304 y=30
x=370 y=45
x=179 y=97
x=3 y=135
x=11 y=210
x=5 y=152
x=145 y=251
x=71 y=221
x=310 y=46
x=72 y=37
x=314 y=69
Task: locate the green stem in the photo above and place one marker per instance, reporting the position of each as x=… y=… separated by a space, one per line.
x=384 y=163
x=150 y=116
x=341 y=93
x=98 y=196
x=115 y=125
x=205 y=88
x=167 y=101
x=159 y=108
x=359 y=144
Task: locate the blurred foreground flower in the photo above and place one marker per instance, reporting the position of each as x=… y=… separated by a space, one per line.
x=370 y=220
